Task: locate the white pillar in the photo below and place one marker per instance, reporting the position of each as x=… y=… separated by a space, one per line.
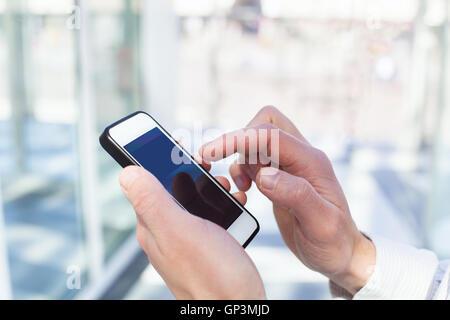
x=159 y=37
x=87 y=146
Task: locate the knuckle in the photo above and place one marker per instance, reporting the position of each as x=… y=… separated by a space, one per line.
x=268 y=126
x=322 y=156
x=302 y=190
x=269 y=109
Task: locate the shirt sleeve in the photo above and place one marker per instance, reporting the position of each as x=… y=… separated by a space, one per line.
x=403 y=272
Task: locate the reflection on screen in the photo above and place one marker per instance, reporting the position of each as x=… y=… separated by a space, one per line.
x=193 y=189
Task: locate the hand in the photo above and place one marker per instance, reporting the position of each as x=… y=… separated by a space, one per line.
x=196 y=258
x=309 y=204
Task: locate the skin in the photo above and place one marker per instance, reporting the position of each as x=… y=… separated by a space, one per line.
x=196 y=258
x=308 y=203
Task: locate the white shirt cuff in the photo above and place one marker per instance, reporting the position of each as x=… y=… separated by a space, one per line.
x=401 y=272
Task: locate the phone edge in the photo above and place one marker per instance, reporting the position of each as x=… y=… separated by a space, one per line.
x=111 y=147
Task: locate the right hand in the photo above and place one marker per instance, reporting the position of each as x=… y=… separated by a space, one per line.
x=309 y=205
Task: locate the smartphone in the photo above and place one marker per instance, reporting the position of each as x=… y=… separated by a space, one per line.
x=140 y=140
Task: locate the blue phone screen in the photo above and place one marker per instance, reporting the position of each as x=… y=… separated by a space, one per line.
x=192 y=188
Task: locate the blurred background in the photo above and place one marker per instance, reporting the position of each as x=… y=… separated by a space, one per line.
x=365 y=80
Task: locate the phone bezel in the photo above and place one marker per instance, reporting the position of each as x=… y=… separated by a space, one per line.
x=243 y=229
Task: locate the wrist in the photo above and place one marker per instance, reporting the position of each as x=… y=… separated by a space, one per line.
x=361 y=266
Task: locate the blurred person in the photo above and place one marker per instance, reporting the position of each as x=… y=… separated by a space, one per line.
x=200 y=260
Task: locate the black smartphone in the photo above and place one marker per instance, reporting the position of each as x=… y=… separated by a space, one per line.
x=138 y=139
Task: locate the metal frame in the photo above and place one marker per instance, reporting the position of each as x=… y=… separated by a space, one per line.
x=17 y=79
x=5 y=279
x=118 y=263
x=16 y=75
x=87 y=149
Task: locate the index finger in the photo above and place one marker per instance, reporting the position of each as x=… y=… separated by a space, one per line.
x=265 y=142
x=270 y=114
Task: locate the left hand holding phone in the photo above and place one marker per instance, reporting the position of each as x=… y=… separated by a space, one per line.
x=195 y=257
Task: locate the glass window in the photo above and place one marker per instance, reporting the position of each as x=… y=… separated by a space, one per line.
x=117 y=92
x=41 y=148
x=38 y=164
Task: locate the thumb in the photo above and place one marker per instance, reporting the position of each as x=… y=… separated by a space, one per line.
x=152 y=203
x=289 y=191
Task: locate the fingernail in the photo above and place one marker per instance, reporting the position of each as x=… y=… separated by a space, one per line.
x=209 y=151
x=269 y=177
x=128 y=177
x=240 y=183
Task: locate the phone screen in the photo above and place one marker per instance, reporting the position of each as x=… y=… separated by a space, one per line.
x=183 y=179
